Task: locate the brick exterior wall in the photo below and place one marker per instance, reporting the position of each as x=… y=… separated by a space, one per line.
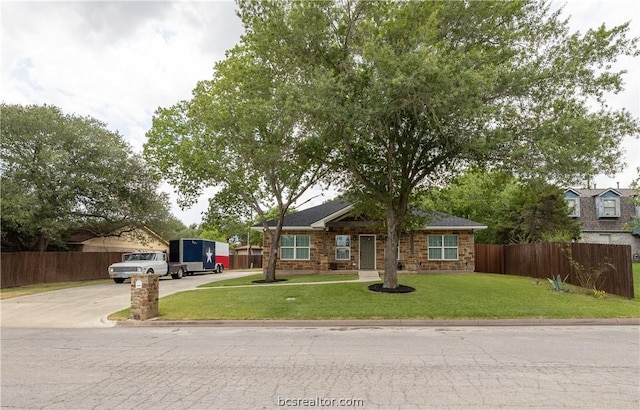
x=413 y=252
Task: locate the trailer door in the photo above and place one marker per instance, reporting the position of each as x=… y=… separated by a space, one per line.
x=208 y=255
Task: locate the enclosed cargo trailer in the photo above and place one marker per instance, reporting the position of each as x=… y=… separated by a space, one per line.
x=200 y=255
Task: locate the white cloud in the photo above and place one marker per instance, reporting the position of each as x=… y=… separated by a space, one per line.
x=118 y=61
x=115 y=61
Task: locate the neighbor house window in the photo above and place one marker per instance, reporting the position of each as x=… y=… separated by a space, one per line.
x=443 y=247
x=294 y=247
x=609 y=207
x=343 y=247
x=574 y=207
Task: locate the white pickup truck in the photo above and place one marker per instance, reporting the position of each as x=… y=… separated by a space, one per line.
x=137 y=263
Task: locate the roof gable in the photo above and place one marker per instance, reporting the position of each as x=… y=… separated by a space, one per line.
x=571 y=193
x=609 y=193
x=315 y=216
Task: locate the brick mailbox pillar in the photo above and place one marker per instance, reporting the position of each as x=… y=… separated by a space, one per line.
x=144 y=296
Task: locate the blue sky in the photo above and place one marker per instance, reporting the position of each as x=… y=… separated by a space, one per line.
x=119 y=61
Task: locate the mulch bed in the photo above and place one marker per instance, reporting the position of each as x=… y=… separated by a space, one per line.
x=264 y=281
x=379 y=287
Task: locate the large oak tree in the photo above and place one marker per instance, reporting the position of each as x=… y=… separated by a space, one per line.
x=61 y=172
x=411 y=93
x=243 y=133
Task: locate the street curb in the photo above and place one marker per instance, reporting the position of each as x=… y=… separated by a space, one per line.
x=382 y=323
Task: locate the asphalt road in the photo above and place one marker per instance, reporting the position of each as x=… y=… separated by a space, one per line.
x=58 y=351
x=552 y=367
x=89 y=306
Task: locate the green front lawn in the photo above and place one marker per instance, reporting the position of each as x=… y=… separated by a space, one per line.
x=438 y=296
x=636 y=281
x=248 y=280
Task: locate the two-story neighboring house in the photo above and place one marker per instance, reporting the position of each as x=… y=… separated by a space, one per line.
x=605 y=215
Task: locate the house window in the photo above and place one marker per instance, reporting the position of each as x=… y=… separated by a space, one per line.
x=574 y=207
x=343 y=247
x=294 y=247
x=604 y=238
x=609 y=207
x=443 y=247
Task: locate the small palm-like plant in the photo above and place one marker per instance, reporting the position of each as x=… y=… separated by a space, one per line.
x=558 y=284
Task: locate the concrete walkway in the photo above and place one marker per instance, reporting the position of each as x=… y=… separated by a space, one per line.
x=368 y=275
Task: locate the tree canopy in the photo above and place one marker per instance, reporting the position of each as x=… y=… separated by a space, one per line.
x=242 y=132
x=514 y=211
x=409 y=94
x=61 y=172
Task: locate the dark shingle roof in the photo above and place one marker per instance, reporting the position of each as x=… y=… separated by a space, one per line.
x=440 y=219
x=309 y=216
x=592 y=222
x=624 y=192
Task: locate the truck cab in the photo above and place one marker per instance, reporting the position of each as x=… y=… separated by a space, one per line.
x=137 y=263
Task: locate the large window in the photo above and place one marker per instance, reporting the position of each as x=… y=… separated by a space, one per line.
x=443 y=247
x=609 y=207
x=343 y=247
x=294 y=247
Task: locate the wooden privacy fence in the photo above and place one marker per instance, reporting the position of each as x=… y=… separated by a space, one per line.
x=27 y=268
x=544 y=260
x=245 y=261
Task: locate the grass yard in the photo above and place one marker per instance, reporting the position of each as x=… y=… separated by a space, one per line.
x=438 y=296
x=636 y=281
x=248 y=280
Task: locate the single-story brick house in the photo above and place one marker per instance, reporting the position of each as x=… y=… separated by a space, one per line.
x=329 y=237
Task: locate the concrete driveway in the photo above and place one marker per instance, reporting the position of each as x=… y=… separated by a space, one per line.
x=89 y=306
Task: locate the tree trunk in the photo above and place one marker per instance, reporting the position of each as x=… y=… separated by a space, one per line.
x=391 y=250
x=270 y=273
x=42 y=244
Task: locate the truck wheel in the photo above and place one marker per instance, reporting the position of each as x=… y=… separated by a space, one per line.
x=150 y=271
x=178 y=275
x=118 y=280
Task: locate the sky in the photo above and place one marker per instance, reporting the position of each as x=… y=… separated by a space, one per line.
x=118 y=61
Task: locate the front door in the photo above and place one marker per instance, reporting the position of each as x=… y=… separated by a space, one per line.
x=367 y=252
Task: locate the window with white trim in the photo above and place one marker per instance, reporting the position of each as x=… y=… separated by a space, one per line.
x=609 y=207
x=294 y=247
x=443 y=247
x=343 y=247
x=574 y=207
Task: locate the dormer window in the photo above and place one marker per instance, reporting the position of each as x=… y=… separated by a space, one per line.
x=608 y=207
x=574 y=207
x=572 y=198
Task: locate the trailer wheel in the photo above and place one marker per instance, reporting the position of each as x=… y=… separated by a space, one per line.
x=177 y=275
x=118 y=280
x=220 y=268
